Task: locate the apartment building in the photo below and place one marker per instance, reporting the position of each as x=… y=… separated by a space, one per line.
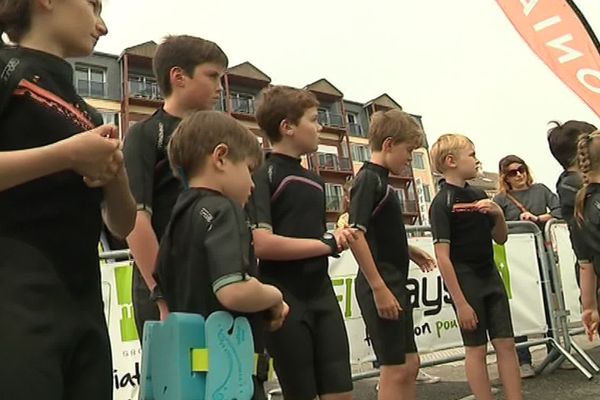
x=124 y=89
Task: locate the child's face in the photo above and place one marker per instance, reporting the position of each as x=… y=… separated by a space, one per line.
x=237 y=180
x=202 y=91
x=398 y=155
x=306 y=132
x=76 y=25
x=466 y=163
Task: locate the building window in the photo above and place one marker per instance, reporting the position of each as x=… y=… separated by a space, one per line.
x=418 y=162
x=144 y=87
x=90 y=81
x=334 y=197
x=242 y=103
x=360 y=153
x=354 y=126
x=426 y=193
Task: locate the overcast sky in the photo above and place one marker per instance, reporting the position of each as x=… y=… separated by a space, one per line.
x=458 y=63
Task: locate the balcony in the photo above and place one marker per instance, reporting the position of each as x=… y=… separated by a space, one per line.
x=330 y=162
x=331 y=120
x=334 y=204
x=242 y=105
x=356 y=130
x=409 y=206
x=142 y=89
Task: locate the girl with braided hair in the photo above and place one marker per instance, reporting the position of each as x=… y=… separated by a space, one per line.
x=587 y=213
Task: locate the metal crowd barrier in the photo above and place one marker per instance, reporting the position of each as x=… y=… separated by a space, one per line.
x=561 y=312
x=560 y=336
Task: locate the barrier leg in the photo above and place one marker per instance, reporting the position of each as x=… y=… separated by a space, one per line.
x=572 y=359
x=585 y=356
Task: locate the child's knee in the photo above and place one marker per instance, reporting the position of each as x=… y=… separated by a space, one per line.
x=475 y=352
x=504 y=345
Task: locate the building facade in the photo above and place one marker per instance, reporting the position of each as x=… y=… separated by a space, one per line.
x=124 y=90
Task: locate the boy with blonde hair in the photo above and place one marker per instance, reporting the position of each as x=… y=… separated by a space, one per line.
x=382 y=253
x=463 y=223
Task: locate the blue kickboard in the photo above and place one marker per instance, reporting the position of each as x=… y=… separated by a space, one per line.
x=167 y=354
x=231 y=358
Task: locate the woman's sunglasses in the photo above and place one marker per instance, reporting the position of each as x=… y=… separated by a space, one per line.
x=513 y=172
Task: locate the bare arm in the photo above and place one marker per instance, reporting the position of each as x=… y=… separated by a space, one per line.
x=588 y=285
x=364 y=258
x=143 y=244
x=442 y=254
x=18 y=167
x=119 y=207
x=269 y=246
x=500 y=230
x=387 y=304
x=249 y=296
x=91 y=154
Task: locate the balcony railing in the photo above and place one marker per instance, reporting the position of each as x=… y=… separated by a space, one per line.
x=356 y=130
x=409 y=206
x=144 y=90
x=242 y=105
x=331 y=119
x=334 y=203
x=330 y=162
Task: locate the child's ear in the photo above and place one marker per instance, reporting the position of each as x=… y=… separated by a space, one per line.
x=286 y=128
x=177 y=77
x=219 y=155
x=450 y=161
x=387 y=144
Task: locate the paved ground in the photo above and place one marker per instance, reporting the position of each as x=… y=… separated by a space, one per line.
x=560 y=384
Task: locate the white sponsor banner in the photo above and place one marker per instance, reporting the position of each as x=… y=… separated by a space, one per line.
x=126 y=348
x=435 y=322
x=566 y=269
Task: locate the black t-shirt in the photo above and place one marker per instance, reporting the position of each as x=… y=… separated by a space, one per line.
x=467 y=231
x=151 y=180
x=567 y=186
x=376 y=210
x=206 y=246
x=591 y=225
x=289 y=200
x=57 y=216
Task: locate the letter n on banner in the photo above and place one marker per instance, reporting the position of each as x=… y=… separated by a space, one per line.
x=560 y=35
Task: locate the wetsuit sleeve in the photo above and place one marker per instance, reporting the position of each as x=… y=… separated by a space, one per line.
x=364 y=196
x=227 y=245
x=139 y=152
x=439 y=216
x=259 y=205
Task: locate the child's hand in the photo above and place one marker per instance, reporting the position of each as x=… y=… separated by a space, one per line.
x=467 y=318
x=590 y=320
x=278 y=314
x=387 y=305
x=421 y=258
x=95 y=154
x=117 y=162
x=487 y=206
x=344 y=236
